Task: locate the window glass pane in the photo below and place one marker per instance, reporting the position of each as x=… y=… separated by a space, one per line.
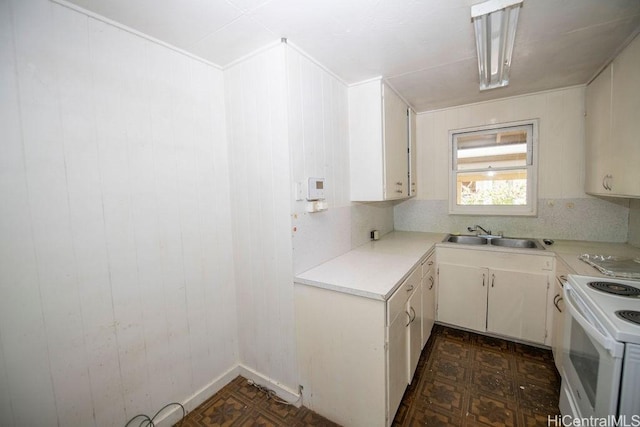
x=493 y=169
x=501 y=187
x=492 y=149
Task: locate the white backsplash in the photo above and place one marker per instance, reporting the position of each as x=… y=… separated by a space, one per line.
x=321 y=236
x=369 y=216
x=570 y=219
x=634 y=222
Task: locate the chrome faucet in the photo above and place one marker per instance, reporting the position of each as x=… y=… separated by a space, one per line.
x=476 y=227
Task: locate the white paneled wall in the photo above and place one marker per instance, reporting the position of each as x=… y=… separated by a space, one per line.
x=319 y=146
x=561 y=140
x=318 y=128
x=256 y=99
x=116 y=279
x=564 y=210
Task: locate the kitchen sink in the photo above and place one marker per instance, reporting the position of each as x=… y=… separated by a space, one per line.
x=510 y=242
x=466 y=240
x=505 y=242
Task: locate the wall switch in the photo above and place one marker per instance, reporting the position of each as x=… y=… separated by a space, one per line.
x=300 y=191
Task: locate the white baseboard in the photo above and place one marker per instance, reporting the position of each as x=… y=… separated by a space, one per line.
x=192 y=402
x=174 y=414
x=281 y=390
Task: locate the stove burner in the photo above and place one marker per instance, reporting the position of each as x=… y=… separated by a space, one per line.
x=616 y=289
x=630 y=315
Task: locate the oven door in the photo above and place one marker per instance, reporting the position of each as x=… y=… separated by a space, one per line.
x=592 y=362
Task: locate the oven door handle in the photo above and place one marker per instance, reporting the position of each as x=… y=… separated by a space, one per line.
x=572 y=300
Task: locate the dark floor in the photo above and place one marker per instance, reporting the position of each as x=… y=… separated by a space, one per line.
x=467 y=379
x=463 y=379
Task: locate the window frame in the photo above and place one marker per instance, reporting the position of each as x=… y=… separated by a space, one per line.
x=531 y=207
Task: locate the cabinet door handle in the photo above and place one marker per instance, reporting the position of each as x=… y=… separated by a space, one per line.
x=493 y=279
x=563 y=278
x=483 y=280
x=399 y=191
x=604 y=182
x=414 y=314
x=409 y=316
x=409 y=288
x=432 y=282
x=399 y=183
x=556 y=302
x=430 y=263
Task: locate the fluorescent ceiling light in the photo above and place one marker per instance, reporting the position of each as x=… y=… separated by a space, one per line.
x=495 y=24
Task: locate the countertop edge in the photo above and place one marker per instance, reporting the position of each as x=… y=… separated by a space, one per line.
x=341 y=289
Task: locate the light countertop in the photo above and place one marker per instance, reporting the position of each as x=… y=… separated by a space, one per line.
x=376 y=269
x=570 y=250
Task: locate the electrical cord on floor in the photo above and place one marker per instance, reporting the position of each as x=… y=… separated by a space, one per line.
x=150 y=420
x=272 y=394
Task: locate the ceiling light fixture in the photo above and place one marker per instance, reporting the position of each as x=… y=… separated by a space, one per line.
x=495 y=24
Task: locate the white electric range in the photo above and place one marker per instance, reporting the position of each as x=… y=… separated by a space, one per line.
x=601 y=349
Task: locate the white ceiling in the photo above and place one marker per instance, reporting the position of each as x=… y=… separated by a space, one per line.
x=424 y=48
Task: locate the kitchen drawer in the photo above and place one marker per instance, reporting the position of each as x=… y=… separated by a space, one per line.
x=396 y=304
x=428 y=264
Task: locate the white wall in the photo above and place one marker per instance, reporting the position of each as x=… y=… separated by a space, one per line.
x=565 y=211
x=116 y=282
x=261 y=200
x=287 y=121
x=319 y=145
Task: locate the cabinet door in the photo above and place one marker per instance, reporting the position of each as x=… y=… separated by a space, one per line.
x=517 y=304
x=625 y=121
x=413 y=155
x=397 y=362
x=396 y=167
x=414 y=332
x=558 y=325
x=462 y=296
x=428 y=304
x=598 y=133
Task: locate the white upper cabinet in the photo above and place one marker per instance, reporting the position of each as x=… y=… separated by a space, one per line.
x=379 y=143
x=613 y=127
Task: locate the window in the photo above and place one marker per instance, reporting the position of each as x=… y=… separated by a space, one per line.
x=493 y=170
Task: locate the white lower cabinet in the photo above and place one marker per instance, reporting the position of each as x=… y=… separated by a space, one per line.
x=497 y=292
x=398 y=360
x=356 y=355
x=517 y=304
x=414 y=331
x=558 y=310
x=428 y=296
x=462 y=295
